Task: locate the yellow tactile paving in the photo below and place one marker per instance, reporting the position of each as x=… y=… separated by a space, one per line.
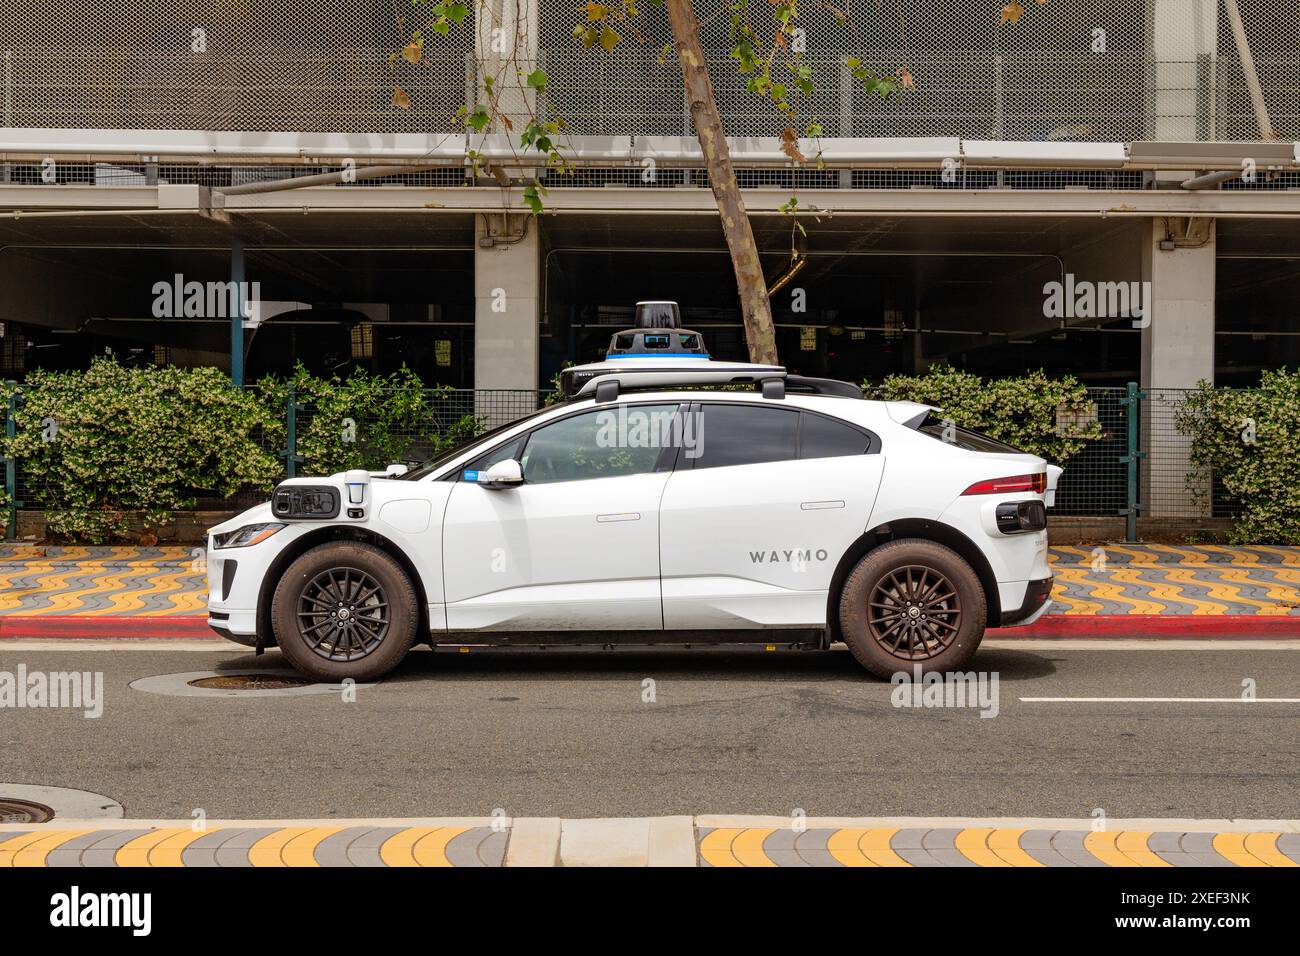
x=747 y=848
x=1101 y=844
x=35 y=852
x=846 y=847
x=137 y=851
x=398 y=849
x=301 y=850
x=167 y=852
x=715 y=848
x=1232 y=847
x=432 y=849
x=12 y=845
x=1133 y=844
x=1263 y=846
x=1006 y=844
x=973 y=844
x=875 y=845
x=267 y=851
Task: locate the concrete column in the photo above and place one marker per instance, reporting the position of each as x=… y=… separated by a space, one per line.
x=507 y=290
x=1177 y=353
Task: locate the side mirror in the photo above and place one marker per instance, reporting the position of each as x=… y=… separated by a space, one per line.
x=395 y=470
x=500 y=475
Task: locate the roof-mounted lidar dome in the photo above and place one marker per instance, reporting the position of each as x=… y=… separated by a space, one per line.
x=658 y=332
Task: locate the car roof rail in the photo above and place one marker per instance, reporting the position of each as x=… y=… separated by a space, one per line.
x=581 y=381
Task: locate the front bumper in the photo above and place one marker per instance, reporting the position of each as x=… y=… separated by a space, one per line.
x=1037 y=601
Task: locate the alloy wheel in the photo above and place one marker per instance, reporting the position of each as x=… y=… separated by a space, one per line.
x=343 y=614
x=914 y=612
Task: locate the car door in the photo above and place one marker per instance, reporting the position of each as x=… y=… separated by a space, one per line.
x=754 y=524
x=575 y=546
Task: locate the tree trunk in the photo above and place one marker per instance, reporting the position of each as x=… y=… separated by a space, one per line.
x=754 y=306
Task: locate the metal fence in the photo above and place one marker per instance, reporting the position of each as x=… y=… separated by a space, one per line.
x=1140 y=464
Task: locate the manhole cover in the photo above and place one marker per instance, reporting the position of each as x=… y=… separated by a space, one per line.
x=242 y=683
x=250 y=682
x=13 y=810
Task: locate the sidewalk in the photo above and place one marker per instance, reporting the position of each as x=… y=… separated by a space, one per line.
x=1106 y=591
x=712 y=841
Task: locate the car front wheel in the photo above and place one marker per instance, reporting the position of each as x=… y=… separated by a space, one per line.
x=345 y=609
x=912 y=602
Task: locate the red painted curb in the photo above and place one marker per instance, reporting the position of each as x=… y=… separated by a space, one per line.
x=1156 y=627
x=182 y=627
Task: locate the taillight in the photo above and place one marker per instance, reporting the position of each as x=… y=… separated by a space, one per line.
x=996 y=486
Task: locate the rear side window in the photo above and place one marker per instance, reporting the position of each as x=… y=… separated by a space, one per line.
x=826 y=438
x=936 y=426
x=746 y=435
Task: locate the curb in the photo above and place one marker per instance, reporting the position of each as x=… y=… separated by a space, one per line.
x=1155 y=626
x=534 y=841
x=187 y=627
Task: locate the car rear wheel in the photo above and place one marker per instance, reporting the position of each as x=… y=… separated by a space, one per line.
x=912 y=602
x=345 y=609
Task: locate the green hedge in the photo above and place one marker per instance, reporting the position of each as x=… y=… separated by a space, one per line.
x=365 y=421
x=1250 y=440
x=1049 y=417
x=98 y=446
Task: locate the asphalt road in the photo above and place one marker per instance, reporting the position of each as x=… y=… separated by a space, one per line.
x=562 y=734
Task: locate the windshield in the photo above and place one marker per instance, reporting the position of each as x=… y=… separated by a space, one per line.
x=437 y=461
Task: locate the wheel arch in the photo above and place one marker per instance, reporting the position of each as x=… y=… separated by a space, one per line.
x=319 y=536
x=927 y=530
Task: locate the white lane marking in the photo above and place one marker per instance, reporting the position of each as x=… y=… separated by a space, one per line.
x=1159 y=700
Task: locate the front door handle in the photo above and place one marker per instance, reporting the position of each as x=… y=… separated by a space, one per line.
x=622 y=516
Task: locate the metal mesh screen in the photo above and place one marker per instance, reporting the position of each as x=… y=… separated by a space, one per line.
x=1094 y=483
x=1160 y=69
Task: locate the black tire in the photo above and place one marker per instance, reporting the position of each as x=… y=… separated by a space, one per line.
x=345 y=609
x=877 y=617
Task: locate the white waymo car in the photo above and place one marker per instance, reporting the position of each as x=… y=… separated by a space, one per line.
x=649 y=508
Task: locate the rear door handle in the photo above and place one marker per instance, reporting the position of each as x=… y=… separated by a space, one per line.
x=820 y=505
x=623 y=516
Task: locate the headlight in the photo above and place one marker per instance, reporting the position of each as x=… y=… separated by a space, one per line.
x=249 y=534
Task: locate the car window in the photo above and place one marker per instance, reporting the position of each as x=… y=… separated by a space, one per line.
x=936 y=426
x=826 y=438
x=746 y=435
x=603 y=443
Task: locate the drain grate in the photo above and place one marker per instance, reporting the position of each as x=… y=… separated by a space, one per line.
x=250 y=682
x=13 y=810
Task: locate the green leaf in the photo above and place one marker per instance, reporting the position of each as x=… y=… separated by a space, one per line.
x=533 y=199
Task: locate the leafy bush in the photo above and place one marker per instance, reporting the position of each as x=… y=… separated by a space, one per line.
x=365 y=421
x=96 y=445
x=1250 y=440
x=1048 y=417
